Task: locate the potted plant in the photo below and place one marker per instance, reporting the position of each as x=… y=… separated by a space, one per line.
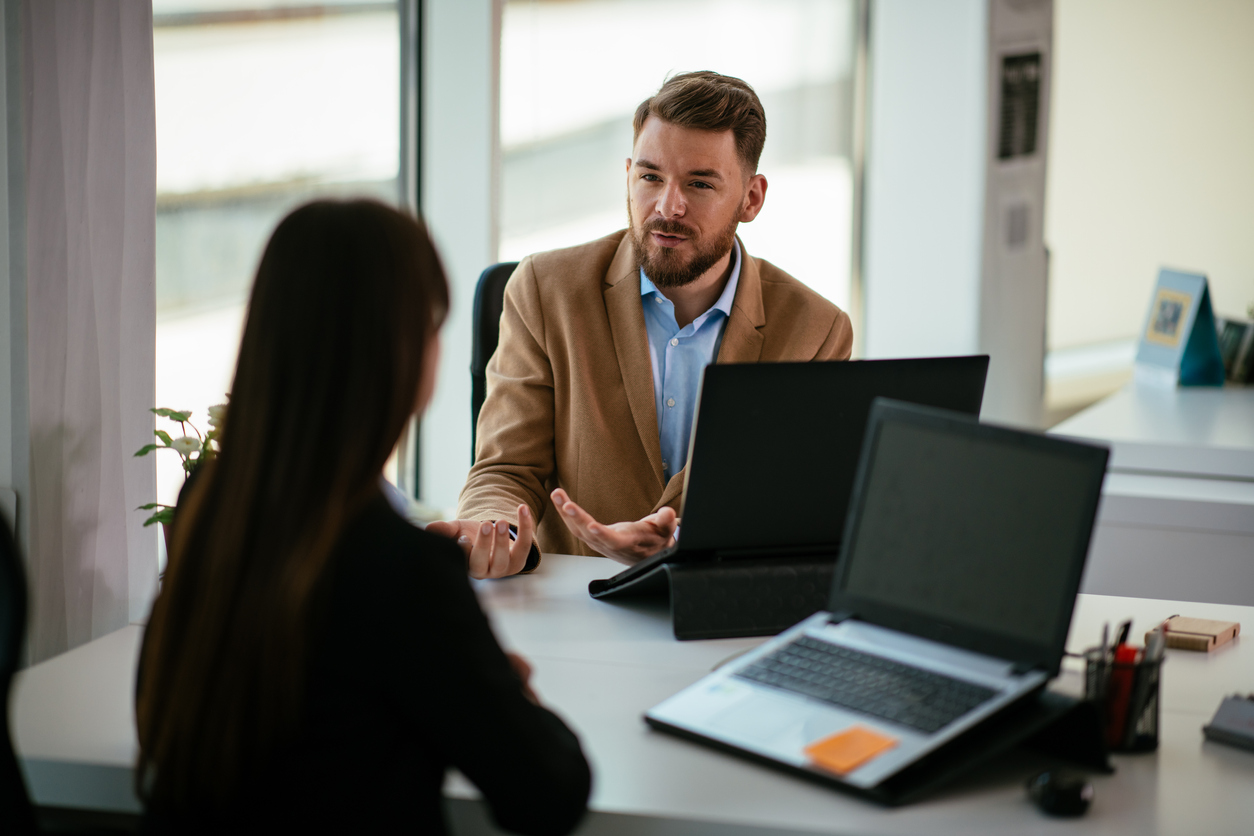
x=194 y=450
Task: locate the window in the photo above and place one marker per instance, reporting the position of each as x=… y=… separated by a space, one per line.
x=260 y=107
x=573 y=72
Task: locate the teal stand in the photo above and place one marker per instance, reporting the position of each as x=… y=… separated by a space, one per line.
x=1179 y=345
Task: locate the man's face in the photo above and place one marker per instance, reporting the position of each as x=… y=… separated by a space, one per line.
x=686 y=194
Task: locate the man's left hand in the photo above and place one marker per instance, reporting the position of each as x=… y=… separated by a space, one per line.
x=626 y=542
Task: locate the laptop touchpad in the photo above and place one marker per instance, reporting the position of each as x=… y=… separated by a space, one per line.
x=760 y=717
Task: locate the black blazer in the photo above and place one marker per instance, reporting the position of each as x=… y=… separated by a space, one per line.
x=406 y=680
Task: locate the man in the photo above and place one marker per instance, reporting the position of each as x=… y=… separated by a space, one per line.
x=592 y=389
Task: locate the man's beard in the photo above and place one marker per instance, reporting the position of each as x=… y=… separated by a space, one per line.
x=665 y=266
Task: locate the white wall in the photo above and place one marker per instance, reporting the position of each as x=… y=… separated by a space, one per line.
x=1152 y=159
x=460 y=112
x=14 y=404
x=925 y=177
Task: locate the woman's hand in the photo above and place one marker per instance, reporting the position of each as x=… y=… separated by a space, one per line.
x=489 y=551
x=523 y=669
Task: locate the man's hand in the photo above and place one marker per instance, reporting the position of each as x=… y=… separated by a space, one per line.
x=489 y=552
x=626 y=542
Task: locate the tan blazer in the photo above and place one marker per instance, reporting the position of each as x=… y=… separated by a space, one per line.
x=570 y=387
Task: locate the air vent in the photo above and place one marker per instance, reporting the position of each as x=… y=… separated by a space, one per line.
x=1020 y=105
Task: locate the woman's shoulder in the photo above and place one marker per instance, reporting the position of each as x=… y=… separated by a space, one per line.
x=384 y=543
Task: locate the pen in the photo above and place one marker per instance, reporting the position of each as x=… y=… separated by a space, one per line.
x=1124 y=629
x=1098 y=674
x=1120 y=695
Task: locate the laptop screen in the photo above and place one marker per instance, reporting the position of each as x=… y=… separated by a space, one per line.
x=971 y=527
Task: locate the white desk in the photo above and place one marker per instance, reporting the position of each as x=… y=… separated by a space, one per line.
x=1177 y=514
x=602 y=665
x=1188 y=431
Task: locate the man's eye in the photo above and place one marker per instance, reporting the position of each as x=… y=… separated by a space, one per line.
x=652 y=178
x=702 y=185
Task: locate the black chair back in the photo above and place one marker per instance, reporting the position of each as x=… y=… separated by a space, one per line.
x=489 y=302
x=15 y=806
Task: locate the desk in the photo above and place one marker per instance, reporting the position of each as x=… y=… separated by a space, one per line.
x=602 y=665
x=1177 y=513
x=1186 y=431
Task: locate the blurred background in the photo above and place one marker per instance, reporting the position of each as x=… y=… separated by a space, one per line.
x=263 y=106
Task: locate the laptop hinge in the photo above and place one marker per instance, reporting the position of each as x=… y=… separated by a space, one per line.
x=1021 y=668
x=825 y=550
x=842 y=615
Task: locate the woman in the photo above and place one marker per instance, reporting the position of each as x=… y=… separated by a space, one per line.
x=313 y=661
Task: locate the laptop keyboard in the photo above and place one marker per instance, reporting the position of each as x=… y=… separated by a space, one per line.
x=873 y=685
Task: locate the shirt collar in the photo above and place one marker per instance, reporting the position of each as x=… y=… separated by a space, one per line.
x=725 y=299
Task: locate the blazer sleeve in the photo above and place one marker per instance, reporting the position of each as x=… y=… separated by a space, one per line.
x=514 y=456
x=838 y=345
x=527 y=763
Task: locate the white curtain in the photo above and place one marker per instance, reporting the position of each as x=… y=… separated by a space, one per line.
x=90 y=181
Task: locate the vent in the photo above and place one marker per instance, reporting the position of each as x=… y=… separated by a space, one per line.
x=1017 y=226
x=1020 y=105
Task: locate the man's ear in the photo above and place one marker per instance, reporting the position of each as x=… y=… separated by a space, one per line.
x=755 y=196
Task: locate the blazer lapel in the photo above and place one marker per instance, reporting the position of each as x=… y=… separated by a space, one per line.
x=742 y=341
x=622 y=304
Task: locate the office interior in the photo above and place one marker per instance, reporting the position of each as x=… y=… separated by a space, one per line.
x=151 y=146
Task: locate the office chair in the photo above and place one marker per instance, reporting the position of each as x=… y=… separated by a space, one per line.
x=489 y=302
x=15 y=806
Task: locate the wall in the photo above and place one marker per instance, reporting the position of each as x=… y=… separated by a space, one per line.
x=460 y=164
x=1152 y=160
x=925 y=177
x=14 y=466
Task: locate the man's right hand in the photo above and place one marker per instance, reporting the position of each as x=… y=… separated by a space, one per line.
x=489 y=550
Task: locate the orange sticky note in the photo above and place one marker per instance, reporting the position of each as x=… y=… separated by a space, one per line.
x=845 y=751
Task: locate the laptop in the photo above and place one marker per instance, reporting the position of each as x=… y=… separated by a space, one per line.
x=951 y=601
x=780 y=441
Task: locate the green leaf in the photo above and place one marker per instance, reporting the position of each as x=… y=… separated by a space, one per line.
x=164 y=436
x=149 y=506
x=165 y=515
x=172 y=414
x=146 y=449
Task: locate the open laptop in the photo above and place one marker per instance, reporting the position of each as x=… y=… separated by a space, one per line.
x=774 y=451
x=952 y=600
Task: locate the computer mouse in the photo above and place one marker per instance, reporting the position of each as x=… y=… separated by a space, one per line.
x=1060 y=793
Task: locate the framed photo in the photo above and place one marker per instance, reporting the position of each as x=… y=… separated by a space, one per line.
x=1179 y=345
x=1167 y=317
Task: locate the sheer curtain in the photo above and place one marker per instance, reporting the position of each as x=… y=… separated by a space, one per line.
x=87 y=114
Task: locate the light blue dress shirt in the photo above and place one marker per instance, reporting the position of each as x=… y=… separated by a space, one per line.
x=679 y=356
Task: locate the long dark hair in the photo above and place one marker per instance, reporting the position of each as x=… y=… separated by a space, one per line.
x=347 y=299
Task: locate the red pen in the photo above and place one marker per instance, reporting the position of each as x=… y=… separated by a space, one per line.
x=1119 y=694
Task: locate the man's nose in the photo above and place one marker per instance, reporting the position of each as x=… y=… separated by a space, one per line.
x=671 y=203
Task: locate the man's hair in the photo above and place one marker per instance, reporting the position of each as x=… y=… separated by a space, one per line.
x=708 y=101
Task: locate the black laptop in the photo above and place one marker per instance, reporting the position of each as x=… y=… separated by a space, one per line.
x=774 y=452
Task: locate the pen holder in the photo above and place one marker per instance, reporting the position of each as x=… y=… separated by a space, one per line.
x=1126 y=696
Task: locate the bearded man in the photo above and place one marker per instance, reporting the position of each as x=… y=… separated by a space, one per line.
x=583 y=436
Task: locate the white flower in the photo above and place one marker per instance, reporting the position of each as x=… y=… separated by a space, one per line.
x=186 y=445
x=217 y=412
